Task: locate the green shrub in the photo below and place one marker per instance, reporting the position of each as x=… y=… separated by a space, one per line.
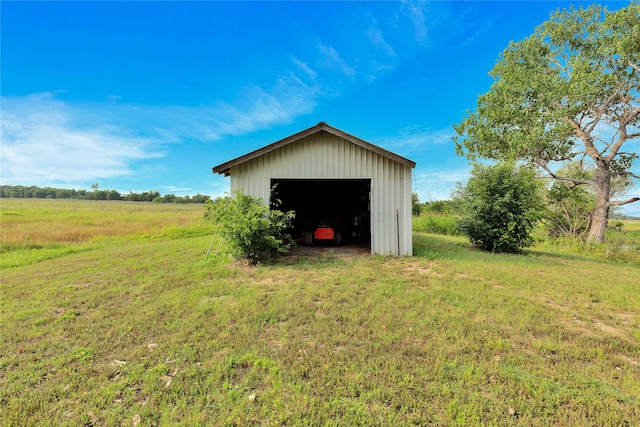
x=252 y=230
x=500 y=206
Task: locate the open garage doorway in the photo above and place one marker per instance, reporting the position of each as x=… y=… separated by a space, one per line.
x=341 y=204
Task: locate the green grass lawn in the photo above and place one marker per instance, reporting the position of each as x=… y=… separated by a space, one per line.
x=144 y=331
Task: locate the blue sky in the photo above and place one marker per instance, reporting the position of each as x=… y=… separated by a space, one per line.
x=151 y=95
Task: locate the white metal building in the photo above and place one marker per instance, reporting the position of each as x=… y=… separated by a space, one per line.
x=323 y=171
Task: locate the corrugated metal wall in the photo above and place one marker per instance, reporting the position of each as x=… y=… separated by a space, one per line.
x=323 y=155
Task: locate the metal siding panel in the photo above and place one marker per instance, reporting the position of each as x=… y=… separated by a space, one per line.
x=334 y=167
x=408 y=226
x=382 y=226
x=337 y=168
x=376 y=167
x=324 y=161
x=390 y=222
x=365 y=163
x=373 y=203
x=315 y=154
x=378 y=217
x=392 y=206
x=399 y=189
x=380 y=223
x=397 y=233
x=400 y=202
x=285 y=165
x=353 y=165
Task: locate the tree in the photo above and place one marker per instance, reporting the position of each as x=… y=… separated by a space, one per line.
x=568 y=211
x=499 y=207
x=113 y=195
x=569 y=92
x=416 y=207
x=200 y=198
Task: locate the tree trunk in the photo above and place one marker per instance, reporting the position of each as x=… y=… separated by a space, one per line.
x=598 y=224
x=600 y=214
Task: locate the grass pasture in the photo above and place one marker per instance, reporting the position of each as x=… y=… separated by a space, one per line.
x=60 y=227
x=139 y=329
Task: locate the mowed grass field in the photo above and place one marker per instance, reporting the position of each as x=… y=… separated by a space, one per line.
x=135 y=327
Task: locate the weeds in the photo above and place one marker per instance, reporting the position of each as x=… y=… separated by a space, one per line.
x=437 y=224
x=618 y=247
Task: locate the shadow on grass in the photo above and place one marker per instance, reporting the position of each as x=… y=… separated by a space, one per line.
x=435 y=246
x=432 y=247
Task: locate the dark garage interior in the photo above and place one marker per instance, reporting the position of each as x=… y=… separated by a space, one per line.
x=342 y=204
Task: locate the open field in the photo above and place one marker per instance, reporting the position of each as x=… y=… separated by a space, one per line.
x=139 y=329
x=60 y=227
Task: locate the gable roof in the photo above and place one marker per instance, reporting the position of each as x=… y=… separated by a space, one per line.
x=225 y=168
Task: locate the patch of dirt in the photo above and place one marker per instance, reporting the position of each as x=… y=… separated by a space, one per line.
x=423 y=270
x=629 y=359
x=561 y=307
x=609 y=329
x=576 y=324
x=344 y=251
x=627 y=318
x=470 y=277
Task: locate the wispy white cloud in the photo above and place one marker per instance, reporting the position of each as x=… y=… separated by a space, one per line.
x=414 y=10
x=173 y=189
x=377 y=40
x=414 y=139
x=308 y=71
x=47 y=141
x=434 y=185
x=254 y=108
x=42 y=142
x=432 y=179
x=471 y=24
x=382 y=58
x=331 y=59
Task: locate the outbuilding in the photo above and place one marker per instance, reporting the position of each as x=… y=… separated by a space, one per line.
x=331 y=177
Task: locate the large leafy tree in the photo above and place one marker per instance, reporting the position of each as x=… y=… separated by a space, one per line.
x=568 y=93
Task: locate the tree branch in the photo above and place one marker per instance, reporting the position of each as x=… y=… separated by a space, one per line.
x=591 y=149
x=623 y=138
x=629 y=117
x=624 y=202
x=564 y=178
x=631 y=174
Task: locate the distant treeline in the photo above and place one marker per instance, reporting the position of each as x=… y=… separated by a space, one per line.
x=33 y=192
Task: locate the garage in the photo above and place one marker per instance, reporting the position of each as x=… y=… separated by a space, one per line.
x=332 y=179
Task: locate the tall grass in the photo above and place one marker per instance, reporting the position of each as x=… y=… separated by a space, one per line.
x=436 y=223
x=622 y=244
x=37 y=229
